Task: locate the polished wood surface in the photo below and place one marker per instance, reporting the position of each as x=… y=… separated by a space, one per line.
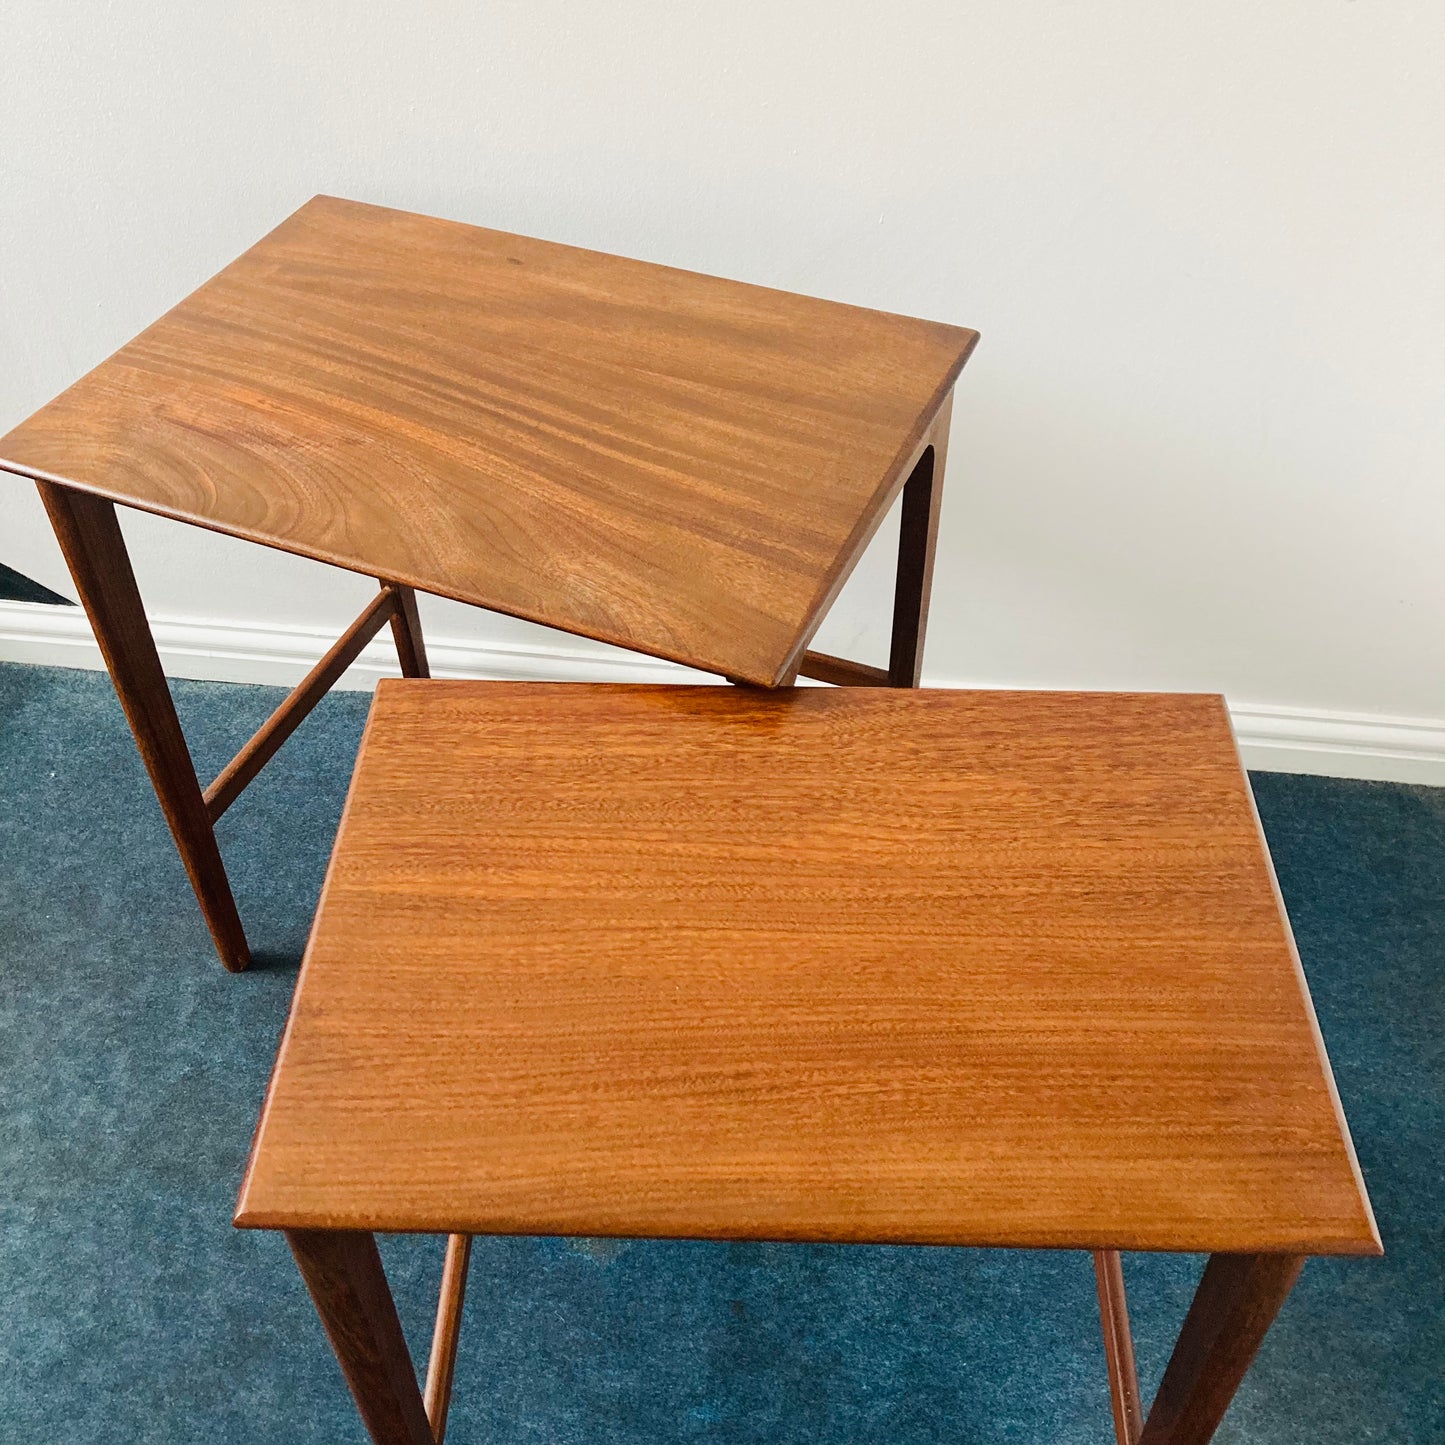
x=675 y=463
x=1118 y=1346
x=89 y=536
x=852 y=964
x=1232 y=1310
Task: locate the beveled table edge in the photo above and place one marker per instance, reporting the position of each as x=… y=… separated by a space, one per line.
x=836 y=575
x=1366 y=1244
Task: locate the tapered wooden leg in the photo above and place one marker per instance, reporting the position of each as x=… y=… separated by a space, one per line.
x=89 y=536
x=442 y=1364
x=917 y=543
x=343 y=1272
x=1233 y=1308
x=406 y=629
x=1118 y=1345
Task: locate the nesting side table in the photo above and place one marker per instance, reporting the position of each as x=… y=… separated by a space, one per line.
x=999 y=969
x=677 y=464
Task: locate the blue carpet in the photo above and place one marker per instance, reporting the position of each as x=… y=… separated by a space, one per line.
x=133 y=1068
x=16 y=587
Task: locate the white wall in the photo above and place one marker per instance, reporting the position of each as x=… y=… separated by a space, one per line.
x=1201 y=444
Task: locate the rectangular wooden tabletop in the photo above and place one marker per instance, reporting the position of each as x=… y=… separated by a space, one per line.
x=675 y=463
x=852 y=964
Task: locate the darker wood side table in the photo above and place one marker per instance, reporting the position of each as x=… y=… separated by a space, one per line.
x=935 y=967
x=682 y=465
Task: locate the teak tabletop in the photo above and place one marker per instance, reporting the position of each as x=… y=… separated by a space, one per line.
x=671 y=462
x=942 y=967
x=678 y=464
x=848 y=965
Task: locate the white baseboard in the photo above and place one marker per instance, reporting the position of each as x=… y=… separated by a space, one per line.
x=1341 y=744
x=281 y=656
x=1274 y=739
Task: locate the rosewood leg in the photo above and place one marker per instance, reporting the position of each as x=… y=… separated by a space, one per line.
x=89 y=535
x=917 y=543
x=1234 y=1306
x=343 y=1273
x=406 y=629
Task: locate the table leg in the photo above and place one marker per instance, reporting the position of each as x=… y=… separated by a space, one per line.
x=917 y=543
x=442 y=1364
x=406 y=629
x=89 y=535
x=1118 y=1345
x=1234 y=1306
x=343 y=1273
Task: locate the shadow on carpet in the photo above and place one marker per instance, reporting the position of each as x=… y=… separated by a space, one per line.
x=133 y=1069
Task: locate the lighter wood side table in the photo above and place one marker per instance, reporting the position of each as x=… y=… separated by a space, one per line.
x=677 y=464
x=935 y=967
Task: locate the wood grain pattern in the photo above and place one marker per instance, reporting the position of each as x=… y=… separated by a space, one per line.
x=675 y=463
x=90 y=538
x=347 y=1284
x=1232 y=1311
x=836 y=964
